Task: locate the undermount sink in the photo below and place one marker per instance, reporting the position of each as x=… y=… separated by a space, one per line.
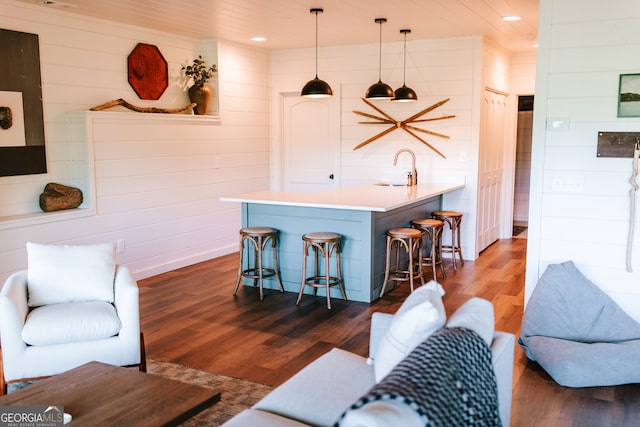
x=390 y=184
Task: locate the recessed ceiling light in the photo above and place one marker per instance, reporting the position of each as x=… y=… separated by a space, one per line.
x=258 y=39
x=511 y=18
x=57 y=4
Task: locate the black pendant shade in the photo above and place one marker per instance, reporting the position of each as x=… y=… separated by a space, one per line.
x=316 y=88
x=404 y=93
x=379 y=90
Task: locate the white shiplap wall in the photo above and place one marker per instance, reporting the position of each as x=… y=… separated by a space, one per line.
x=157 y=184
x=584 y=46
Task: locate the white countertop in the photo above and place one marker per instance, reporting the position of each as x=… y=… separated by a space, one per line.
x=368 y=197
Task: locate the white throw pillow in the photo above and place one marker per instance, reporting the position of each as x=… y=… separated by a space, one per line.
x=70 y=322
x=383 y=413
x=61 y=273
x=421 y=314
x=477 y=315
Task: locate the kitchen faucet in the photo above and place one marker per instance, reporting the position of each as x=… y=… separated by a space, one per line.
x=414 y=172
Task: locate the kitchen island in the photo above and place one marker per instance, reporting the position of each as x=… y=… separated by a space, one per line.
x=360 y=214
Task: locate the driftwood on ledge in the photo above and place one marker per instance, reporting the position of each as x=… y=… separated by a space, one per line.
x=124 y=103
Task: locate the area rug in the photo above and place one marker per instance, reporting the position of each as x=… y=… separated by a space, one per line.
x=237 y=394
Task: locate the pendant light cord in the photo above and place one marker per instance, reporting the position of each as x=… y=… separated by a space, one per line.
x=380 y=54
x=316 y=12
x=404 y=67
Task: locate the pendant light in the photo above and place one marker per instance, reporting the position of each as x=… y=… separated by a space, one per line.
x=379 y=90
x=316 y=88
x=404 y=93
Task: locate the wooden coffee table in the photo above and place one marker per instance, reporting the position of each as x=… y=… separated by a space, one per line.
x=99 y=394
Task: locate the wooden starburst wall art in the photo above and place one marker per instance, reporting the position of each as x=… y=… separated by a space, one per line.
x=404 y=124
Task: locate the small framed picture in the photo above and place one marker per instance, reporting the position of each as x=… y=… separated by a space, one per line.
x=629 y=95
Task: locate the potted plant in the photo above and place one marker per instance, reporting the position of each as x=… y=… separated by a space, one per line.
x=199 y=93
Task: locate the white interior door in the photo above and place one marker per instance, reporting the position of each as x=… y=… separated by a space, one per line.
x=493 y=116
x=311 y=144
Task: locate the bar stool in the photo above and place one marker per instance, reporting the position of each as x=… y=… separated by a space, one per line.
x=323 y=244
x=432 y=228
x=259 y=236
x=411 y=240
x=453 y=219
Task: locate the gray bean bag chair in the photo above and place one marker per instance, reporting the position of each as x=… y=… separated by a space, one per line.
x=577 y=333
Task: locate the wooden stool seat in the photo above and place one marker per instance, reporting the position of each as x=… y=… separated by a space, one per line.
x=257 y=231
x=411 y=240
x=324 y=244
x=321 y=237
x=259 y=237
x=433 y=229
x=453 y=219
x=452 y=214
x=404 y=233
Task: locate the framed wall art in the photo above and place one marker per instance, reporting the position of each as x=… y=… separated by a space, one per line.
x=629 y=95
x=22 y=148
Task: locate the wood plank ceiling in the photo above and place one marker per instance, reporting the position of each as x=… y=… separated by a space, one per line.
x=288 y=24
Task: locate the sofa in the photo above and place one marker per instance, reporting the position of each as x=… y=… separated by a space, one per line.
x=326 y=389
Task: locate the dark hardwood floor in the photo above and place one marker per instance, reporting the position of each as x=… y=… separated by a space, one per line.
x=189 y=316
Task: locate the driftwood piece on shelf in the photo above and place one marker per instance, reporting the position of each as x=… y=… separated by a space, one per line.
x=125 y=104
x=57 y=197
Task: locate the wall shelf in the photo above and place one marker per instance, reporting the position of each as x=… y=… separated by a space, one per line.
x=36 y=218
x=129 y=117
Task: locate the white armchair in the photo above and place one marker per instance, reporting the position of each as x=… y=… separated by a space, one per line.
x=42 y=338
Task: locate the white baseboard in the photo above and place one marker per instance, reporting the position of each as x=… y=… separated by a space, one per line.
x=154 y=270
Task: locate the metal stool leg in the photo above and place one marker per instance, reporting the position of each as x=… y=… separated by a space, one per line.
x=327 y=279
x=414 y=246
x=433 y=253
x=439 y=254
x=239 y=279
x=339 y=270
x=305 y=251
x=409 y=248
x=452 y=227
x=418 y=249
x=386 y=269
x=316 y=268
x=458 y=246
x=258 y=259
x=274 y=248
